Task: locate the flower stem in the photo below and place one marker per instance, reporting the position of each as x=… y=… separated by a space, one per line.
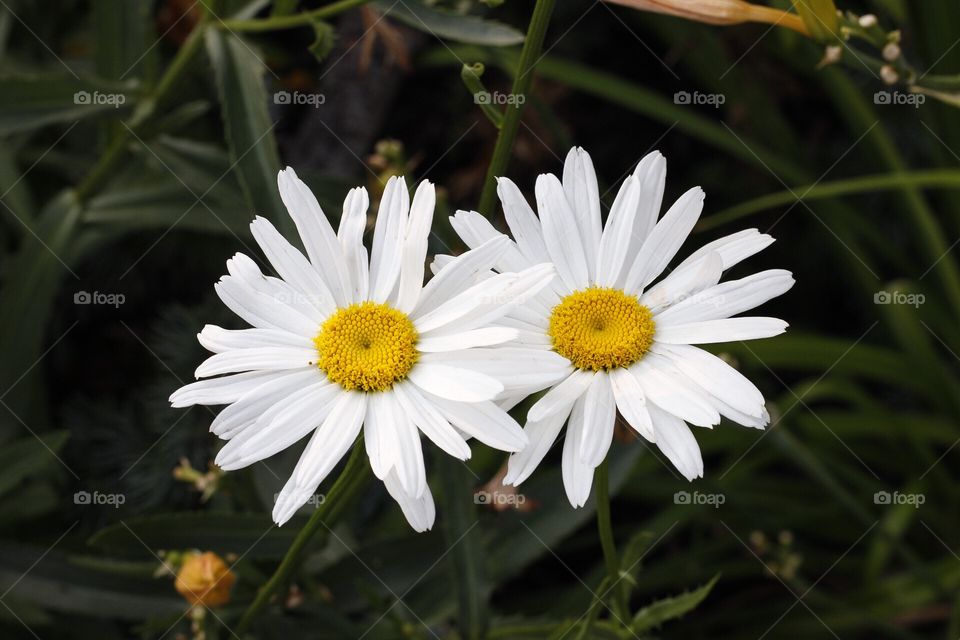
x=304 y=19
x=605 y=528
x=529 y=57
x=348 y=485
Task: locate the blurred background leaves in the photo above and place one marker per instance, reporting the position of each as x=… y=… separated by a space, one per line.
x=139 y=139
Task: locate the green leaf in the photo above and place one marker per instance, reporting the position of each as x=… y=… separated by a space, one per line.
x=667 y=609
x=249 y=131
x=29 y=456
x=124 y=38
x=255 y=536
x=29 y=102
x=26 y=300
x=452 y=26
x=55 y=584
x=323 y=41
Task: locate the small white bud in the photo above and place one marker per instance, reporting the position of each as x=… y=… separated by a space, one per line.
x=868 y=20
x=888 y=74
x=891 y=51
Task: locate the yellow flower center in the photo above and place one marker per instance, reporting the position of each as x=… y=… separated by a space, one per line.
x=600 y=328
x=367 y=346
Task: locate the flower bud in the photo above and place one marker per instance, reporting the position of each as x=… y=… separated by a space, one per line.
x=205 y=579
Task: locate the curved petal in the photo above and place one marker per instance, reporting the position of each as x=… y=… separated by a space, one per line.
x=353 y=222
x=415 y=247
x=541 y=434
x=454 y=383
x=388 y=234
x=523 y=222
x=599 y=416
x=318 y=237
x=580 y=187
x=557 y=219
x=577 y=474
x=676 y=441
x=726 y=330
x=420 y=512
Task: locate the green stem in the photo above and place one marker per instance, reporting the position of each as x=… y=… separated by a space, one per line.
x=305 y=19
x=348 y=485
x=947 y=178
x=116 y=152
x=605 y=528
x=529 y=57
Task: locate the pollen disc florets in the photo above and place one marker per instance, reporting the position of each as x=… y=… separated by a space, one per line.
x=601 y=328
x=367 y=346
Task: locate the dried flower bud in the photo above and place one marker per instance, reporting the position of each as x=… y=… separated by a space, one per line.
x=205 y=579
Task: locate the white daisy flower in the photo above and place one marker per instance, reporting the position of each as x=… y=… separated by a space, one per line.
x=627 y=343
x=339 y=345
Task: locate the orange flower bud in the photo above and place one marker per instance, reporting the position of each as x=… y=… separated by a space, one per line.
x=205 y=579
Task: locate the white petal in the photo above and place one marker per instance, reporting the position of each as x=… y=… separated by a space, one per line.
x=562 y=396
x=256 y=359
x=484 y=421
x=716 y=377
x=676 y=441
x=672 y=394
x=458 y=274
x=318 y=237
x=541 y=435
x=419 y=512
x=217 y=339
x=684 y=284
x=577 y=475
x=225 y=390
x=599 y=415
x=733 y=249
x=388 y=235
x=665 y=240
x=631 y=402
x=580 y=187
x=454 y=383
x=430 y=422
x=475 y=230
x=353 y=222
x=415 y=247
x=262 y=310
x=291 y=265
x=408 y=460
x=467 y=339
x=329 y=443
x=651 y=171
x=280 y=427
x=516 y=368
x=618 y=234
x=727 y=330
x=245 y=411
x=728 y=298
x=523 y=222
x=380 y=435
x=487 y=301
x=246 y=271
x=558 y=221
